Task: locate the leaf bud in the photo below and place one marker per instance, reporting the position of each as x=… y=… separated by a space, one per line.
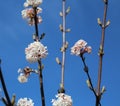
x=58 y=61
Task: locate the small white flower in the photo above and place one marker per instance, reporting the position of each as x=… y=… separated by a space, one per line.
x=20 y=70
x=25 y=102
x=39 y=10
x=36 y=51
x=26 y=4
x=62 y=100
x=22 y=78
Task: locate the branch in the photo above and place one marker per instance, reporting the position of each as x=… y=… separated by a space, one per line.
x=101 y=51
x=90 y=84
x=4 y=87
x=36 y=24
x=88 y=75
x=41 y=82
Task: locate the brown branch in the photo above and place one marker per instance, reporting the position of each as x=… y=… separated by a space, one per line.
x=4 y=88
x=90 y=81
x=101 y=51
x=36 y=24
x=41 y=82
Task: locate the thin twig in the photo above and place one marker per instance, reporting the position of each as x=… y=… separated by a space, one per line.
x=88 y=75
x=4 y=101
x=4 y=88
x=64 y=42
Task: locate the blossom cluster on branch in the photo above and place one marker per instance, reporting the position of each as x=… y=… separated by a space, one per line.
x=25 y=102
x=35 y=51
x=25 y=73
x=29 y=13
x=33 y=3
x=62 y=100
x=80 y=47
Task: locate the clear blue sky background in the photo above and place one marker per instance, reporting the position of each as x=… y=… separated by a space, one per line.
x=15 y=35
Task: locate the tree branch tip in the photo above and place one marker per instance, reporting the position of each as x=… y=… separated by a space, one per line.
x=105 y=1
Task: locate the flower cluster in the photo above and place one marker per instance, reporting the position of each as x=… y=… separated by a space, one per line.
x=62 y=100
x=25 y=102
x=24 y=74
x=80 y=47
x=33 y=3
x=31 y=13
x=36 y=51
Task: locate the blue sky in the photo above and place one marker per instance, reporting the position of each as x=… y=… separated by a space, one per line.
x=15 y=35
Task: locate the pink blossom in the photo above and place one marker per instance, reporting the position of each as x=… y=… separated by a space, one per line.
x=80 y=47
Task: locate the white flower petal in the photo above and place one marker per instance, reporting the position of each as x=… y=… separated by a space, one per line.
x=22 y=78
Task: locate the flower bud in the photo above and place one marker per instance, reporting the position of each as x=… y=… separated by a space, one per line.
x=68 y=30
x=103 y=89
x=58 y=61
x=99 y=21
x=61 y=27
x=61 y=14
x=68 y=10
x=107 y=23
x=88 y=83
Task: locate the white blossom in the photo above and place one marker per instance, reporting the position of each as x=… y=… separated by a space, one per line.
x=25 y=102
x=29 y=15
x=33 y=3
x=22 y=78
x=62 y=100
x=20 y=70
x=36 y=51
x=80 y=47
x=29 y=12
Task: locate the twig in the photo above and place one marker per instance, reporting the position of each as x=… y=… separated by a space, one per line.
x=62 y=90
x=4 y=87
x=101 y=51
x=90 y=81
